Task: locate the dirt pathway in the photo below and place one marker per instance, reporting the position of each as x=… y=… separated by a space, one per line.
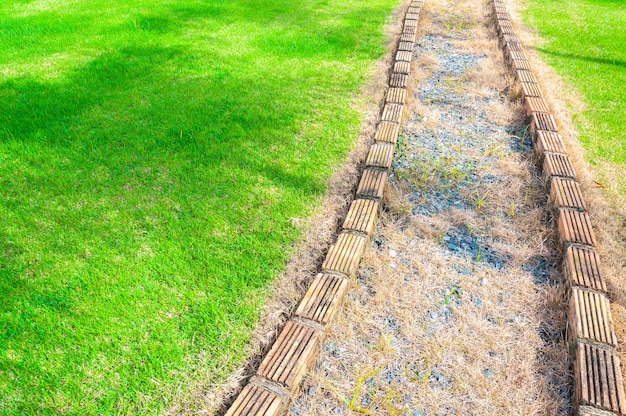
x=458 y=307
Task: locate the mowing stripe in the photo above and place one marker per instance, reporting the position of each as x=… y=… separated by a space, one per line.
x=598 y=382
x=295 y=351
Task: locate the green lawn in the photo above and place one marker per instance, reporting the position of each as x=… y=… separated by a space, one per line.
x=152 y=157
x=586 y=44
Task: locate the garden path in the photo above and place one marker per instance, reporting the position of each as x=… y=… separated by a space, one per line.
x=458 y=307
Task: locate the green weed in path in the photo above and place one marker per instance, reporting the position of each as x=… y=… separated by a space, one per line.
x=586 y=44
x=152 y=156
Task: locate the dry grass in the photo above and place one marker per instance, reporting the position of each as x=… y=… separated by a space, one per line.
x=608 y=215
x=429 y=331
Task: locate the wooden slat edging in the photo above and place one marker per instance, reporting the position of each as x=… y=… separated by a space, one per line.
x=396 y=95
x=323 y=299
x=598 y=378
x=535 y=104
x=404 y=56
x=254 y=400
x=291 y=355
x=525 y=75
x=372 y=183
x=503 y=16
x=519 y=64
x=549 y=142
x=575 y=228
x=387 y=132
x=557 y=165
x=297 y=346
x=592 y=411
x=409 y=29
x=380 y=155
x=402 y=67
x=505 y=28
x=405 y=46
x=392 y=112
x=362 y=216
x=590 y=317
x=566 y=193
x=598 y=383
x=345 y=255
x=399 y=80
x=542 y=122
x=509 y=37
x=408 y=37
x=531 y=89
x=581 y=266
x=516 y=46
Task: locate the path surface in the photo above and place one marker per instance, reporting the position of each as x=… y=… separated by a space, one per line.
x=458 y=307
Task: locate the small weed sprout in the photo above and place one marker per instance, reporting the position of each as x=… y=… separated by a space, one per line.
x=481 y=202
x=389 y=400
x=512 y=210
x=418 y=376
x=384 y=344
x=454 y=290
x=363 y=377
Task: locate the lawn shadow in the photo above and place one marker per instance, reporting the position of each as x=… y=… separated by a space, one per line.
x=31 y=107
x=603 y=61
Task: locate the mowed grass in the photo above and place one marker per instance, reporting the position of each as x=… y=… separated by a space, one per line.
x=586 y=44
x=153 y=156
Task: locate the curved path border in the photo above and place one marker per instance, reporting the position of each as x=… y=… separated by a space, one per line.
x=598 y=383
x=270 y=391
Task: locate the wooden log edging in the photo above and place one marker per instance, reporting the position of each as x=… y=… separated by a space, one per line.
x=277 y=380
x=598 y=383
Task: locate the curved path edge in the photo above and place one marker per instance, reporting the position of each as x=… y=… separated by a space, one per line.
x=277 y=380
x=598 y=382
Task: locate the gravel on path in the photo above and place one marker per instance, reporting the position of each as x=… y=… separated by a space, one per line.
x=458 y=307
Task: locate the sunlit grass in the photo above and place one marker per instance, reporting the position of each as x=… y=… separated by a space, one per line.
x=586 y=44
x=152 y=157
